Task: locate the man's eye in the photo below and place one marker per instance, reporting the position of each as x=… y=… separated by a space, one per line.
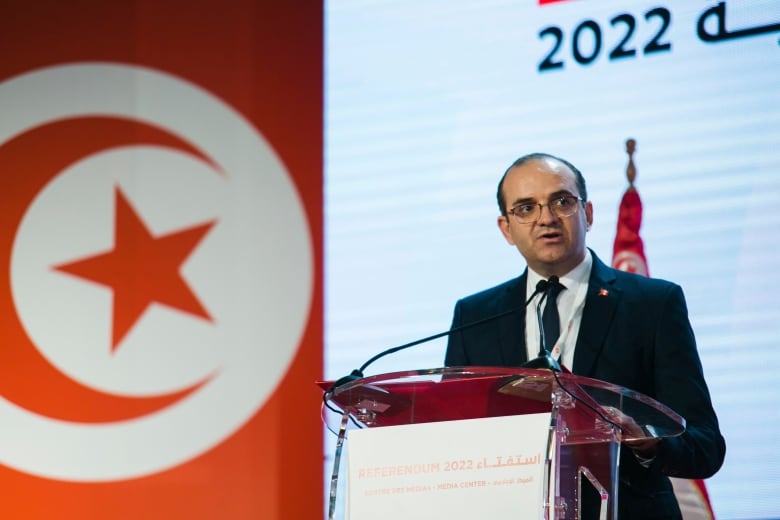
x=563 y=202
x=525 y=209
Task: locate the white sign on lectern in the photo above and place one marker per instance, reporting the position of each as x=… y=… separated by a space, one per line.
x=476 y=468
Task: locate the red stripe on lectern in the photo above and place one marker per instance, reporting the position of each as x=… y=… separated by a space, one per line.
x=542 y=2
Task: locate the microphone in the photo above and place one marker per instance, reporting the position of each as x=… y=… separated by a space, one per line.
x=542 y=286
x=543 y=359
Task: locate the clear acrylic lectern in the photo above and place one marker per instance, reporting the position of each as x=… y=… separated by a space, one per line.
x=583 y=447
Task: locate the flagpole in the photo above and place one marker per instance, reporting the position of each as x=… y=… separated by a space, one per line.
x=629 y=255
x=631 y=167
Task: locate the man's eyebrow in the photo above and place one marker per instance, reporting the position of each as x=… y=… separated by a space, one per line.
x=531 y=200
x=527 y=200
x=560 y=193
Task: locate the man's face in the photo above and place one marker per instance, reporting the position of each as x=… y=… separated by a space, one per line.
x=552 y=245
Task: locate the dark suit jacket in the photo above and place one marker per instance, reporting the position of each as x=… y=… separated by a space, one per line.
x=634 y=333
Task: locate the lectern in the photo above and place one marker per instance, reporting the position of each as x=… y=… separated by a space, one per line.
x=584 y=434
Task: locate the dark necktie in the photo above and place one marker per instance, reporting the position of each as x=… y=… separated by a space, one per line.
x=550 y=319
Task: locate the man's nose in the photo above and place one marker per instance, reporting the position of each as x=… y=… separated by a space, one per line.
x=546 y=214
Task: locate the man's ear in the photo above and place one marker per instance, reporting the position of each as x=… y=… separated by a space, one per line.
x=589 y=214
x=503 y=225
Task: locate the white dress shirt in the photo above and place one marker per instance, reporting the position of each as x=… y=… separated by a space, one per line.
x=570 y=305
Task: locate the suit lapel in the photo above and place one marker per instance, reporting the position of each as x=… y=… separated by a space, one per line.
x=601 y=302
x=511 y=329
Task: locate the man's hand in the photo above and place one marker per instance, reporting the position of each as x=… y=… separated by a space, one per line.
x=640 y=440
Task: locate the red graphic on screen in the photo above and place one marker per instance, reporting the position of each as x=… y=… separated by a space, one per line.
x=264 y=60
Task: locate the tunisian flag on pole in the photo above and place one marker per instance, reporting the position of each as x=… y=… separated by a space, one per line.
x=628 y=254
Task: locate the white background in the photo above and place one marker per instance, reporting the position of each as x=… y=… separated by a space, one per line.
x=428 y=102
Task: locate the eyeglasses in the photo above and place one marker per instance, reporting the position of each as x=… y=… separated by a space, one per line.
x=529 y=212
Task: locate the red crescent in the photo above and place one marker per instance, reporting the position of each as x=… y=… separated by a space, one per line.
x=28 y=162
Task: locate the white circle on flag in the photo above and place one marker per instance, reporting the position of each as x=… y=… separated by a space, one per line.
x=630 y=262
x=253 y=272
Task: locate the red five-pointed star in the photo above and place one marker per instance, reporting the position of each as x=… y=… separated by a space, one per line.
x=142 y=269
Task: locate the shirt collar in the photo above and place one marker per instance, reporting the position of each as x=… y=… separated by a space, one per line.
x=579 y=275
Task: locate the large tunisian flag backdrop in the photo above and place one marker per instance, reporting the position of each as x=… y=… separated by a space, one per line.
x=160 y=246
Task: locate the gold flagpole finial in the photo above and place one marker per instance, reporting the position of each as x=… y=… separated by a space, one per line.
x=631 y=168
